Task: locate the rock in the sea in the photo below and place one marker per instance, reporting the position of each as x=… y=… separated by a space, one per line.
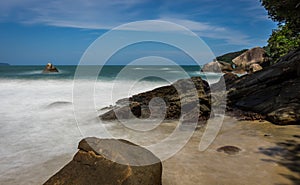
x=91 y=165
x=59 y=104
x=180 y=99
x=273 y=91
x=255 y=55
x=50 y=68
x=217 y=67
x=230 y=150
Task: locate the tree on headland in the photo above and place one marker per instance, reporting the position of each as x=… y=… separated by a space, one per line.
x=282 y=41
x=287 y=36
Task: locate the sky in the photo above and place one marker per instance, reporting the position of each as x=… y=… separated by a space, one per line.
x=33 y=32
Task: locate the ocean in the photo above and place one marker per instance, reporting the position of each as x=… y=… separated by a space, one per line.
x=37 y=121
x=107 y=72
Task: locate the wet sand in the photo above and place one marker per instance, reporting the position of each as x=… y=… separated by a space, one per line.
x=259 y=162
x=270 y=155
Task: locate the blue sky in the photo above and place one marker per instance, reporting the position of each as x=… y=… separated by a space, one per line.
x=33 y=32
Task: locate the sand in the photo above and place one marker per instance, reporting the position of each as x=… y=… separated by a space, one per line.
x=257 y=163
x=268 y=156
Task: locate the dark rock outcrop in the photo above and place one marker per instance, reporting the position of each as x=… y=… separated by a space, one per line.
x=91 y=165
x=228 y=79
x=125 y=112
x=179 y=99
x=272 y=92
x=50 y=68
x=255 y=55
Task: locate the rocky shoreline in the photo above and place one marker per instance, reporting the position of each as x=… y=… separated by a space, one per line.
x=269 y=94
x=249 y=61
x=272 y=92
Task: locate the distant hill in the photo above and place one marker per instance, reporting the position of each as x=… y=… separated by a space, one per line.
x=229 y=56
x=4 y=64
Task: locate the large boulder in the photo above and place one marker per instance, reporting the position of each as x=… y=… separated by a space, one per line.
x=272 y=91
x=134 y=165
x=180 y=99
x=255 y=55
x=50 y=68
x=217 y=67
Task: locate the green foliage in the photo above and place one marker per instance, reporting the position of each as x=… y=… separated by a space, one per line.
x=284 y=11
x=287 y=36
x=282 y=41
x=229 y=56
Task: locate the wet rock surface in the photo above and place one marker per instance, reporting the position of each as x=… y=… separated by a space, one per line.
x=187 y=98
x=230 y=150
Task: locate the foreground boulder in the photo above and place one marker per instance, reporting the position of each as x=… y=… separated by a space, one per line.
x=255 y=55
x=185 y=98
x=273 y=91
x=90 y=165
x=50 y=68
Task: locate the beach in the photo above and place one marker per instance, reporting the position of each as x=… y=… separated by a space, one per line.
x=257 y=163
x=40 y=135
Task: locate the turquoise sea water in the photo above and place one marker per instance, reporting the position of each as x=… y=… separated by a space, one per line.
x=106 y=73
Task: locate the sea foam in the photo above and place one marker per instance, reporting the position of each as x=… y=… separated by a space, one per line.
x=33 y=133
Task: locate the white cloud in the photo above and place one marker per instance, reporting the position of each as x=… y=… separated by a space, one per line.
x=213 y=31
x=90 y=14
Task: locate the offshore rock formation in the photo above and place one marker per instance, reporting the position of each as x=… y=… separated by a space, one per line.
x=50 y=68
x=91 y=166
